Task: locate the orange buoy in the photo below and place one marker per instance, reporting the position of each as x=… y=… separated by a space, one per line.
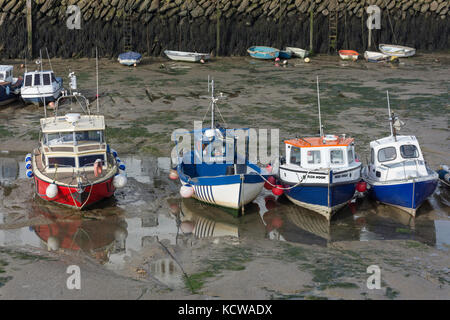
x=277 y=190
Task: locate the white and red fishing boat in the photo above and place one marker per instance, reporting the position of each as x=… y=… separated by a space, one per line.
x=73 y=165
x=348 y=55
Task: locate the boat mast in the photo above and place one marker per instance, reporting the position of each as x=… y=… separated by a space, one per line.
x=42 y=70
x=212 y=104
x=49 y=61
x=96 y=70
x=318 y=103
x=389 y=113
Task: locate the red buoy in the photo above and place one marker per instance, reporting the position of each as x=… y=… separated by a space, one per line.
x=268 y=185
x=277 y=190
x=361 y=186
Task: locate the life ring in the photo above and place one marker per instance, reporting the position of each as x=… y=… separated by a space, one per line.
x=98 y=167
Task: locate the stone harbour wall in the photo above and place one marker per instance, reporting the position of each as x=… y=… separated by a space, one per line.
x=220 y=27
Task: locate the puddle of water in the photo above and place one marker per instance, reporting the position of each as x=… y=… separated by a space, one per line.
x=151 y=211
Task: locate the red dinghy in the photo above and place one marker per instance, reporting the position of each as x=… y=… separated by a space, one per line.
x=348 y=55
x=73 y=164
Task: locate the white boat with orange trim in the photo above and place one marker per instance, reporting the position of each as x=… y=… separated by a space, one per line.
x=320 y=173
x=348 y=55
x=73 y=165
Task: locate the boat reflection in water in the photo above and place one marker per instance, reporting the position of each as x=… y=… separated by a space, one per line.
x=62 y=229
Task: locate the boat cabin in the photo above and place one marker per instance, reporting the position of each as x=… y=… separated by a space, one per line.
x=6 y=74
x=72 y=141
x=39 y=78
x=396 y=158
x=329 y=151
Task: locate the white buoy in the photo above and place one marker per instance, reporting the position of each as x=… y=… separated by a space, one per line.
x=307 y=60
x=187 y=227
x=120 y=181
x=52 y=243
x=51 y=191
x=186 y=191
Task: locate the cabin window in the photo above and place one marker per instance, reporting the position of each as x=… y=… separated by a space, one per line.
x=37 y=79
x=2 y=77
x=295 y=156
x=89 y=136
x=61 y=162
x=88 y=161
x=372 y=155
x=350 y=155
x=387 y=154
x=28 y=80
x=337 y=156
x=313 y=157
x=46 y=79
x=59 y=138
x=409 y=151
x=53 y=77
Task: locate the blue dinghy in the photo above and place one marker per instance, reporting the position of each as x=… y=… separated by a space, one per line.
x=214 y=172
x=397 y=173
x=9 y=86
x=267 y=53
x=285 y=54
x=129 y=58
x=444 y=175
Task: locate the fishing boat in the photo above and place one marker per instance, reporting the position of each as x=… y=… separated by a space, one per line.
x=319 y=173
x=41 y=86
x=285 y=54
x=348 y=55
x=373 y=56
x=187 y=56
x=259 y=52
x=213 y=172
x=129 y=58
x=397 y=51
x=9 y=86
x=397 y=173
x=297 y=52
x=73 y=165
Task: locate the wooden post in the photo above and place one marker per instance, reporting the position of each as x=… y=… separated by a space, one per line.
x=370 y=33
x=311 y=26
x=218 y=31
x=29 y=30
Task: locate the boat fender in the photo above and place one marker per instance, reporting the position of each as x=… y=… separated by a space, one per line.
x=28 y=157
x=271 y=181
x=98 y=167
x=118 y=159
x=28 y=165
x=29 y=174
x=173 y=175
x=361 y=186
x=277 y=190
x=114 y=153
x=120 y=181
x=122 y=167
x=187 y=191
x=51 y=191
x=52 y=243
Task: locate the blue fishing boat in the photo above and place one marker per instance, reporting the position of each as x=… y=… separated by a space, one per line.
x=444 y=175
x=214 y=172
x=259 y=52
x=397 y=173
x=129 y=58
x=9 y=86
x=320 y=173
x=285 y=54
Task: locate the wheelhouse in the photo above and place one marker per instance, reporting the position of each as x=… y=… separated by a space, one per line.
x=39 y=78
x=320 y=152
x=6 y=73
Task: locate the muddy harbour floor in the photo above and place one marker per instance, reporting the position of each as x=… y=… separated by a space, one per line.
x=148 y=243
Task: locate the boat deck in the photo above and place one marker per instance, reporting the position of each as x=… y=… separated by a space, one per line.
x=70 y=178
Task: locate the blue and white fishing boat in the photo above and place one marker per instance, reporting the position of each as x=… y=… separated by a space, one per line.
x=9 y=86
x=260 y=52
x=129 y=58
x=396 y=50
x=320 y=173
x=214 y=172
x=41 y=86
x=444 y=175
x=397 y=173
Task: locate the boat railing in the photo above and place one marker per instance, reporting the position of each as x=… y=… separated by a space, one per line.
x=80 y=99
x=403 y=164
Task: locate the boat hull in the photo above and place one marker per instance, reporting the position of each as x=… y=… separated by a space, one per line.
x=348 y=55
x=321 y=198
x=408 y=195
x=297 y=52
x=265 y=53
x=186 y=56
x=397 y=51
x=69 y=195
x=8 y=92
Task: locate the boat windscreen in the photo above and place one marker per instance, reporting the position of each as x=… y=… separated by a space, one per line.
x=58 y=138
x=91 y=136
x=87 y=161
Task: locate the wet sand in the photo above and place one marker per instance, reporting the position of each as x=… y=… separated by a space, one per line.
x=148 y=244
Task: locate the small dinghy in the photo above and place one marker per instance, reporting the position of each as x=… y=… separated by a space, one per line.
x=297 y=52
x=266 y=53
x=348 y=55
x=373 y=56
x=320 y=173
x=129 y=58
x=214 y=173
x=397 y=51
x=397 y=173
x=9 y=86
x=444 y=175
x=187 y=56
